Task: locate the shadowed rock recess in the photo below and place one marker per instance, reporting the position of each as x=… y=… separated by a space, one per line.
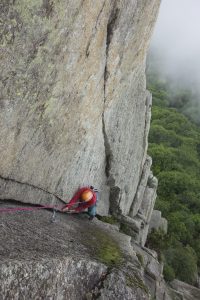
x=75 y=111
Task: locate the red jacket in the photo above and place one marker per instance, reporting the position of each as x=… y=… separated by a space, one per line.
x=83 y=205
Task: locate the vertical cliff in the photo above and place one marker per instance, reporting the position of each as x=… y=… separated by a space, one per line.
x=74 y=105
x=75 y=111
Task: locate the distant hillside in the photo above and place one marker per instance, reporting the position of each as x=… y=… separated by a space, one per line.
x=174 y=144
x=179 y=92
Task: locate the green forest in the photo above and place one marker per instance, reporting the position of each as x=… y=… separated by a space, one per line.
x=174 y=145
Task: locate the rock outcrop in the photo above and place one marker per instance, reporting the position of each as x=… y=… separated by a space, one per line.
x=185 y=291
x=75 y=111
x=74 y=105
x=72 y=259
x=158 y=222
x=142 y=207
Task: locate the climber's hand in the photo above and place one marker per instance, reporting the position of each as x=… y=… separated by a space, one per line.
x=73 y=211
x=65 y=209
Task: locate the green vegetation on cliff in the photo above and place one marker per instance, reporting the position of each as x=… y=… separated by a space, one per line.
x=174 y=144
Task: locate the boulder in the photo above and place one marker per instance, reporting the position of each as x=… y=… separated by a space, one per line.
x=187 y=291
x=157 y=222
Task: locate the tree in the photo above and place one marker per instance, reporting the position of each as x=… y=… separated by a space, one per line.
x=183 y=260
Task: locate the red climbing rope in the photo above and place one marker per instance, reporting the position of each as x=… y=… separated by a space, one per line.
x=14 y=209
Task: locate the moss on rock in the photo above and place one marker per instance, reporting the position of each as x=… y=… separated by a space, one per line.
x=103 y=247
x=108 y=219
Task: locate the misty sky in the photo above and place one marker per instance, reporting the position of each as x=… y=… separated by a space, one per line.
x=177 y=38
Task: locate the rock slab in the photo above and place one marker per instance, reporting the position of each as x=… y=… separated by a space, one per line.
x=74 y=105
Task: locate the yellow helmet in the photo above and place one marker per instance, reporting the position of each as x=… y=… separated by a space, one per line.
x=86 y=195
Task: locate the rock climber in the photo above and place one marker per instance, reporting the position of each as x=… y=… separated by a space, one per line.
x=85 y=198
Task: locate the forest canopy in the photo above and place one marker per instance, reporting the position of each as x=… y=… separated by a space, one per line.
x=174 y=144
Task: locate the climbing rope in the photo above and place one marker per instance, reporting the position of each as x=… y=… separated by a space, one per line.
x=15 y=209
x=54 y=207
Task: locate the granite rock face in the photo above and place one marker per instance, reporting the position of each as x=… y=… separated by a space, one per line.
x=46 y=279
x=185 y=291
x=74 y=110
x=141 y=210
x=72 y=259
x=157 y=221
x=74 y=105
x=153 y=278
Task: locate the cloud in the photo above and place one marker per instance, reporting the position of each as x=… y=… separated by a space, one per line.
x=176 y=40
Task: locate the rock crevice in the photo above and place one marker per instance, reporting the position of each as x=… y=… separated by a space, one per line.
x=94 y=30
x=25 y=192
x=108 y=152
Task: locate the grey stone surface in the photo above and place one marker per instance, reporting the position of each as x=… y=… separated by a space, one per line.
x=141 y=187
x=147 y=206
x=63 y=260
x=142 y=205
x=143 y=216
x=187 y=291
x=10 y=189
x=148 y=202
x=65 y=278
x=75 y=111
x=153 y=273
x=74 y=105
x=125 y=284
x=157 y=221
x=152 y=267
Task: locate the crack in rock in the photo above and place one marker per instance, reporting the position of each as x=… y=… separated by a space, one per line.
x=114 y=190
x=95 y=293
x=110 y=29
x=30 y=186
x=94 y=30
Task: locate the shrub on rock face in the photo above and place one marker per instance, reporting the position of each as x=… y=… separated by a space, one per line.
x=180 y=261
x=158 y=241
x=168 y=273
x=184 y=262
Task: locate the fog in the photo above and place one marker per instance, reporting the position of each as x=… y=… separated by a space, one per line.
x=176 y=41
